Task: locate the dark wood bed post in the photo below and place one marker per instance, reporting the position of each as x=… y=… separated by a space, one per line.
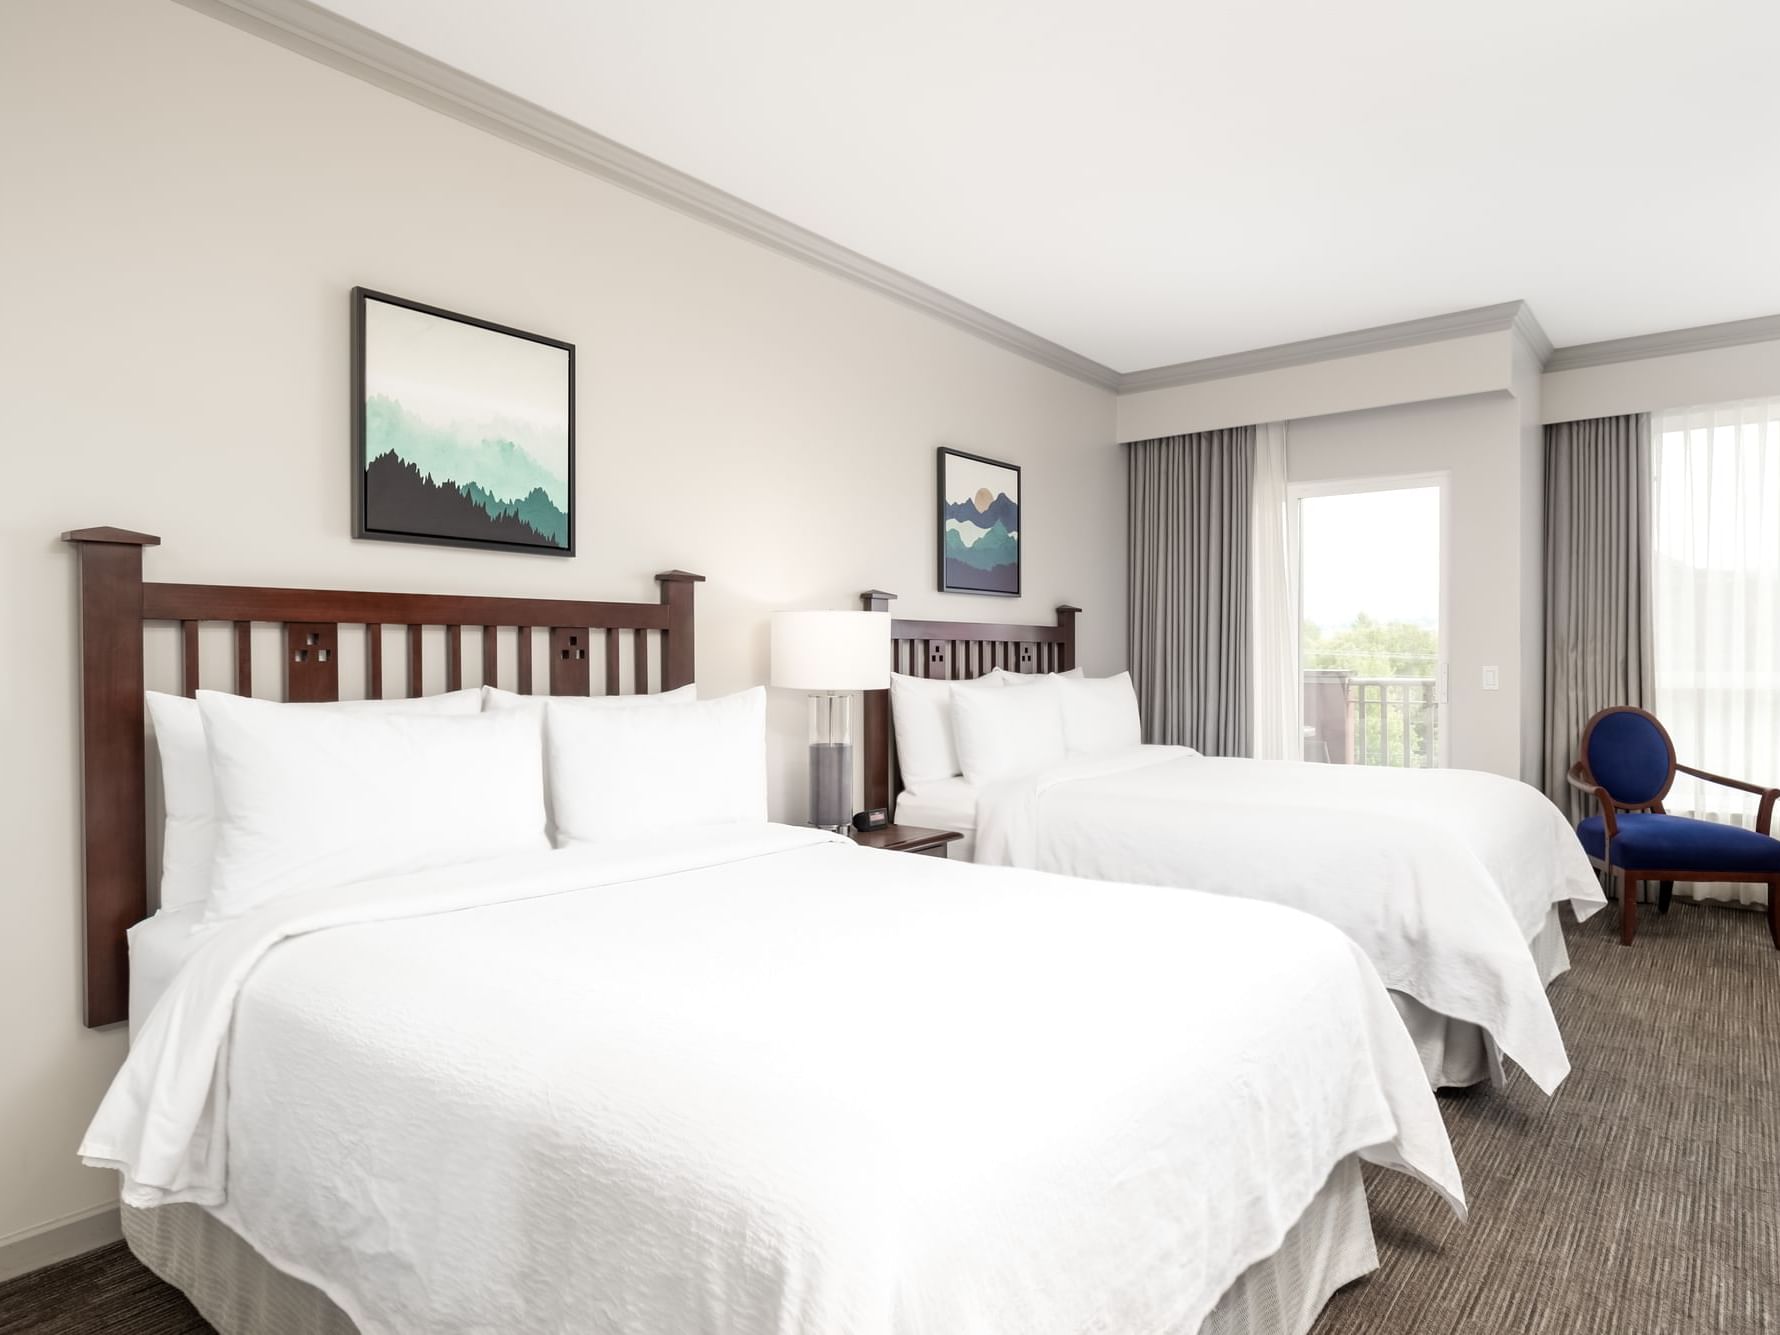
x=1066 y=623
x=878 y=738
x=677 y=643
x=113 y=755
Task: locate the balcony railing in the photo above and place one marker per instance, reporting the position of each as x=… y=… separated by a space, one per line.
x=1351 y=719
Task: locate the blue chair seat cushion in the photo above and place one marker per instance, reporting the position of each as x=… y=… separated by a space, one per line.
x=1679 y=843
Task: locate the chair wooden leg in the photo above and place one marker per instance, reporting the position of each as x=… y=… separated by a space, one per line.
x=1774 y=912
x=1628 y=908
x=1664 y=893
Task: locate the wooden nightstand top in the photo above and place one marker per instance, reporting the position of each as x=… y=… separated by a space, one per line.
x=906 y=839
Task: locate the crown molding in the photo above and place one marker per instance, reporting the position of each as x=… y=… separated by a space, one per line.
x=1380 y=338
x=1670 y=343
x=1532 y=333
x=321 y=35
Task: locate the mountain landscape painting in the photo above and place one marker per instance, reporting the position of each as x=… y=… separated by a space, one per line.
x=979 y=525
x=464 y=431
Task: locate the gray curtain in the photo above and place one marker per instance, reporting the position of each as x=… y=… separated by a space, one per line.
x=1188 y=582
x=1598 y=571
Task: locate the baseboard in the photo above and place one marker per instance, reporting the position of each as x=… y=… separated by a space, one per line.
x=59 y=1240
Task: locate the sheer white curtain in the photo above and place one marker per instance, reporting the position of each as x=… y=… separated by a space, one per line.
x=1277 y=729
x=1716 y=605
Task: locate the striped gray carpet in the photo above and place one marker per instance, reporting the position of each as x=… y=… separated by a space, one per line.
x=1643 y=1200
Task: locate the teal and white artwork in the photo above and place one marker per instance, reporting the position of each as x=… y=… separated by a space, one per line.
x=464 y=430
x=979 y=525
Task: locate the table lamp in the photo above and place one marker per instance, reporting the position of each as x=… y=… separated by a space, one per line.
x=831 y=655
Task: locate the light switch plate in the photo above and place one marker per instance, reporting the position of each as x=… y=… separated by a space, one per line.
x=1492 y=679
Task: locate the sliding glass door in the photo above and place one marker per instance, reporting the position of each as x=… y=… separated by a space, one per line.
x=1371 y=565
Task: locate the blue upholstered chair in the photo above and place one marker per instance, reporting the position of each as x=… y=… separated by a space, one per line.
x=1628 y=765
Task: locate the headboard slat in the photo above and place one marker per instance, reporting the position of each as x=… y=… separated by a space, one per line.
x=490 y=656
x=454 y=658
x=115 y=604
x=374 y=660
x=244 y=658
x=612 y=682
x=188 y=658
x=639 y=649
x=957 y=651
x=416 y=661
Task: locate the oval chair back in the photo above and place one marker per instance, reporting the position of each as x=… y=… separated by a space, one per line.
x=1629 y=753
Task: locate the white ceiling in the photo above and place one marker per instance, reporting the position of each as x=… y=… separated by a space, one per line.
x=1147 y=182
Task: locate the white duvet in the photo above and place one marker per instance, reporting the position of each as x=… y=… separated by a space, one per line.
x=765 y=1082
x=1441 y=876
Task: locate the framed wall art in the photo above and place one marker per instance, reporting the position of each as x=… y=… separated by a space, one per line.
x=463 y=430
x=979 y=525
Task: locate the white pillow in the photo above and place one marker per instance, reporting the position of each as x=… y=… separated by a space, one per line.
x=308 y=799
x=188 y=836
x=1099 y=713
x=921 y=708
x=533 y=707
x=493 y=697
x=618 y=772
x=1002 y=734
x=1002 y=677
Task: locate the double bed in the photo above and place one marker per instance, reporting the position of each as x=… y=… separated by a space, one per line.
x=739 y=1077
x=1449 y=880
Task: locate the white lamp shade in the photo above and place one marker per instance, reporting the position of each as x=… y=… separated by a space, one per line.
x=831 y=651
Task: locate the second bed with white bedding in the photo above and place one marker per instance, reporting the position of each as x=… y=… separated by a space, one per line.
x=760 y=1080
x=1447 y=879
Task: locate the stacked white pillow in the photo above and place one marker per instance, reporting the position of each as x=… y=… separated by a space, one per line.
x=1100 y=714
x=948 y=728
x=534 y=708
x=264 y=799
x=1002 y=677
x=310 y=799
x=1004 y=733
x=495 y=698
x=189 y=836
x=623 y=772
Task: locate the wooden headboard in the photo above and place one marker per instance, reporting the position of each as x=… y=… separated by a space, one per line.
x=116 y=606
x=953 y=651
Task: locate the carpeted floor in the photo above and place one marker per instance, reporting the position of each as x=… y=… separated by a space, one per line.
x=1643 y=1200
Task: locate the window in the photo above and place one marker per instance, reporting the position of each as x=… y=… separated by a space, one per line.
x=1716 y=598
x=1370 y=560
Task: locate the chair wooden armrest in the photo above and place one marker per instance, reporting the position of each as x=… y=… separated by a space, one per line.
x=1764 y=816
x=1578 y=779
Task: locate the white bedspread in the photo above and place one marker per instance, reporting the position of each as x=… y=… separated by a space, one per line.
x=1441 y=876
x=766 y=1082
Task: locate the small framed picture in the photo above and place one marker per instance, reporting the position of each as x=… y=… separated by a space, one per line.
x=463 y=431
x=979 y=525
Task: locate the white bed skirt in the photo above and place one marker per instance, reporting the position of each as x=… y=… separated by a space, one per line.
x=240 y=1293
x=1455 y=1054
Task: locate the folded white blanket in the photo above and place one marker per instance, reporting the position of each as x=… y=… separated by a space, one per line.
x=1441 y=876
x=765 y=1082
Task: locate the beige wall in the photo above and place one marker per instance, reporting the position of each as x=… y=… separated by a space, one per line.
x=1473 y=440
x=187 y=208
x=1650 y=384
x=1477 y=364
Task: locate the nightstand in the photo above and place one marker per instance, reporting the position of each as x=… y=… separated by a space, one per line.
x=907 y=839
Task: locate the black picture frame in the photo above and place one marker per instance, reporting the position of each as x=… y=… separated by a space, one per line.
x=370 y=518
x=957 y=575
